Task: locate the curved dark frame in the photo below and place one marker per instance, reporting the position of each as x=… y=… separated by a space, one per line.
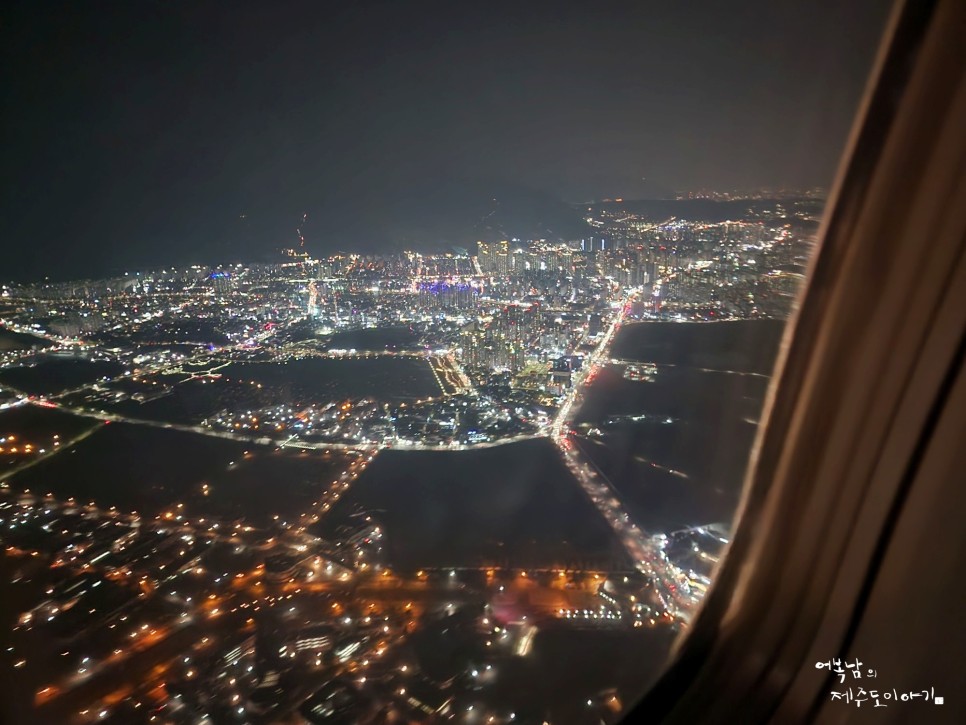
x=864 y=390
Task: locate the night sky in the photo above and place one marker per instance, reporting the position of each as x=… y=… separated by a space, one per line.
x=143 y=133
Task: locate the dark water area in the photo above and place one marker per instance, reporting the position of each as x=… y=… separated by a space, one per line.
x=266 y=484
x=683 y=464
x=191 y=401
x=696 y=397
x=743 y=345
x=150 y=470
x=375 y=339
x=29 y=421
x=132 y=467
x=514 y=505
x=445 y=647
x=566 y=667
x=323 y=380
x=56 y=375
x=185 y=330
x=10 y=340
x=39 y=427
x=299 y=383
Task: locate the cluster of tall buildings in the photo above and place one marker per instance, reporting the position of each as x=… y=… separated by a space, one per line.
x=460 y=295
x=503 y=260
x=628 y=265
x=503 y=341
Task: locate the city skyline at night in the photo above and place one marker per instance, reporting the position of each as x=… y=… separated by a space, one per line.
x=383 y=362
